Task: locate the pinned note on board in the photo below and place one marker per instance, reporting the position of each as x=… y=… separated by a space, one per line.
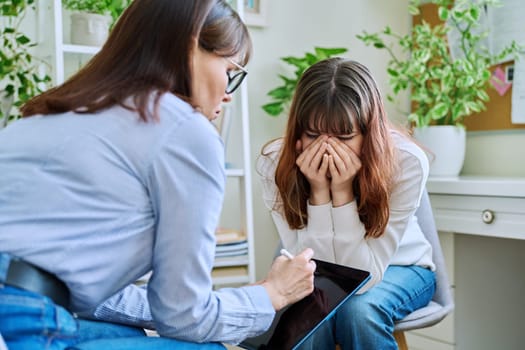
x=499 y=82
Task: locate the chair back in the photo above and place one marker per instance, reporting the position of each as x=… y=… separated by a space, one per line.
x=442 y=302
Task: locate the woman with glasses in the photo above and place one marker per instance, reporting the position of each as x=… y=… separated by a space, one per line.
x=118 y=172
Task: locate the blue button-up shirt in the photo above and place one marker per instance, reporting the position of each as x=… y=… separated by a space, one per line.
x=102 y=199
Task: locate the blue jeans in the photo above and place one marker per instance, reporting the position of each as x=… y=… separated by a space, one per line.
x=366 y=321
x=30 y=321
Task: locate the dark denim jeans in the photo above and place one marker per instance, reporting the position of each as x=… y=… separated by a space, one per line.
x=29 y=321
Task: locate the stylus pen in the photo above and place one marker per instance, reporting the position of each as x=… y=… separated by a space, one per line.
x=287 y=254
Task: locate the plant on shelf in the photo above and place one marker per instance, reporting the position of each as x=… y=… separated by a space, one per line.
x=114 y=8
x=91 y=20
x=283 y=94
x=444 y=90
x=20 y=78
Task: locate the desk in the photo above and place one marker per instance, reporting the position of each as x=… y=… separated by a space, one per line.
x=482 y=206
x=482 y=230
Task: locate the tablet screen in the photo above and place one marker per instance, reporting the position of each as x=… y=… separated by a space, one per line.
x=294 y=324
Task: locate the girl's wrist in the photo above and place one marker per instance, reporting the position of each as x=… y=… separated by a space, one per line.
x=319 y=197
x=341 y=198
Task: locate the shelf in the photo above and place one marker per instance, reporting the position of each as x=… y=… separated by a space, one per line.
x=238 y=269
x=231 y=280
x=478 y=186
x=233 y=172
x=89 y=50
x=231 y=261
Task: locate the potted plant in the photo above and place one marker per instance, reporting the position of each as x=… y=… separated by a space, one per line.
x=22 y=74
x=91 y=20
x=283 y=94
x=444 y=89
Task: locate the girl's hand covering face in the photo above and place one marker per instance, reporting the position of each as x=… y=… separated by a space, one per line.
x=330 y=164
x=313 y=162
x=343 y=164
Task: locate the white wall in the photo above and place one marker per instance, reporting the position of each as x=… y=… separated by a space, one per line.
x=296 y=26
x=495 y=153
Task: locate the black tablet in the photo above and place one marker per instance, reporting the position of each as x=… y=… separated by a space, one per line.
x=292 y=325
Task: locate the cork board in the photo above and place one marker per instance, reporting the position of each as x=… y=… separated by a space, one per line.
x=497 y=116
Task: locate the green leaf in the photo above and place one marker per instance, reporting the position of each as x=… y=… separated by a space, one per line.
x=22 y=39
x=329 y=52
x=393 y=72
x=281 y=92
x=413 y=10
x=443 y=13
x=273 y=109
x=438 y=111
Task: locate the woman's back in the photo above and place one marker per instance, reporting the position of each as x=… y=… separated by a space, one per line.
x=78 y=189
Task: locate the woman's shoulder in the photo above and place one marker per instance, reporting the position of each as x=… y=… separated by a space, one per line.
x=272 y=148
x=408 y=149
x=269 y=157
x=411 y=158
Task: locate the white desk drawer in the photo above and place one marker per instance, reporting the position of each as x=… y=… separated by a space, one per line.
x=464 y=213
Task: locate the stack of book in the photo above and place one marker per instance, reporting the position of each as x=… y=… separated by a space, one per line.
x=230 y=243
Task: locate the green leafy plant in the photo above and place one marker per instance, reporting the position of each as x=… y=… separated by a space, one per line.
x=114 y=8
x=443 y=90
x=282 y=95
x=19 y=68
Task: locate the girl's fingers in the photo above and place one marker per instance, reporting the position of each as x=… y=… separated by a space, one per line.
x=318 y=157
x=338 y=161
x=331 y=166
x=342 y=150
x=307 y=156
x=324 y=164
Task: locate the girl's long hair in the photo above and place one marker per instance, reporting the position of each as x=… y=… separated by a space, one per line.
x=333 y=96
x=148 y=51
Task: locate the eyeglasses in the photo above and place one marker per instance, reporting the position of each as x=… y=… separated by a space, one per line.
x=235 y=78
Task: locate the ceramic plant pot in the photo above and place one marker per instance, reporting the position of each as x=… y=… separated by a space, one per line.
x=446 y=144
x=89 y=28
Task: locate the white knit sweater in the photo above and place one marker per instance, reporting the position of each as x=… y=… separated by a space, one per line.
x=337 y=235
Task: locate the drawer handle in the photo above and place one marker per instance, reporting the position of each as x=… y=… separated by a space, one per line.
x=488 y=216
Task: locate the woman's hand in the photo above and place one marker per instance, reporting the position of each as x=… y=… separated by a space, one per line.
x=290 y=280
x=313 y=163
x=343 y=164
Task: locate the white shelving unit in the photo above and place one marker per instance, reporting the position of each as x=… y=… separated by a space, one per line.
x=241 y=174
x=62 y=48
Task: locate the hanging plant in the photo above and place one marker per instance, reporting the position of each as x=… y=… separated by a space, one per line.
x=19 y=68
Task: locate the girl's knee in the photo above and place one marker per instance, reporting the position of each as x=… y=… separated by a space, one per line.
x=361 y=311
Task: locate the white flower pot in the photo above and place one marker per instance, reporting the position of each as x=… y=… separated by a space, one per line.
x=89 y=28
x=446 y=144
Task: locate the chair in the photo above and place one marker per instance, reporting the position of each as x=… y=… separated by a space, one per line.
x=442 y=303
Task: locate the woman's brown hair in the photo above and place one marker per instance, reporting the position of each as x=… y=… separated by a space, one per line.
x=148 y=51
x=334 y=96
